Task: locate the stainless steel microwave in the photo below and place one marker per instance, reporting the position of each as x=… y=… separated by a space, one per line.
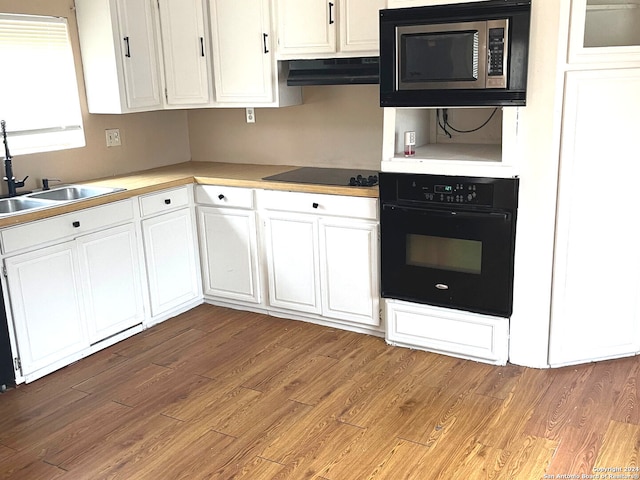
x=465 y=54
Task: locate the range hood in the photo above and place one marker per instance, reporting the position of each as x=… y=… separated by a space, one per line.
x=334 y=71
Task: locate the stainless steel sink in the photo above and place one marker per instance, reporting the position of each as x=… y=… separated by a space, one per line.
x=73 y=192
x=20 y=204
x=52 y=198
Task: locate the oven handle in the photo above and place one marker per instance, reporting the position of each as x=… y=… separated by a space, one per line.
x=448 y=213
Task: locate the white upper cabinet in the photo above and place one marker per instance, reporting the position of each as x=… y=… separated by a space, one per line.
x=309 y=28
x=306 y=26
x=604 y=31
x=359 y=25
x=242 y=52
x=119 y=55
x=184 y=47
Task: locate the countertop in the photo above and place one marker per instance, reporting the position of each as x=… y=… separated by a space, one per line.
x=203 y=173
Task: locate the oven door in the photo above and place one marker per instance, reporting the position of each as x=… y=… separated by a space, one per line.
x=452 y=258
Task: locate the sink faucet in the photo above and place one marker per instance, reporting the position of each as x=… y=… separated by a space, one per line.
x=12 y=184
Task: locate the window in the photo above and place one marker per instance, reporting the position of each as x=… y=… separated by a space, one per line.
x=39 y=91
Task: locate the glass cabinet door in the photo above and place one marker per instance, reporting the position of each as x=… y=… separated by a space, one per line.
x=605 y=31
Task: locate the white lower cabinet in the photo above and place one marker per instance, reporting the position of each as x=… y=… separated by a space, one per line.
x=83 y=290
x=110 y=268
x=349 y=276
x=229 y=244
x=291 y=243
x=46 y=304
x=442 y=330
x=322 y=256
x=171 y=252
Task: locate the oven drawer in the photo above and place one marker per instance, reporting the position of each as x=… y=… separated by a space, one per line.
x=319 y=204
x=452 y=332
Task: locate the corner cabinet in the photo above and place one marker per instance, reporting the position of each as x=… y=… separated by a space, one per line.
x=321 y=254
x=322 y=28
x=118 y=42
x=171 y=251
x=229 y=245
x=595 y=310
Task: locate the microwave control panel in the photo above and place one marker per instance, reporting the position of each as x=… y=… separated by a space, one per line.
x=497 y=45
x=496 y=51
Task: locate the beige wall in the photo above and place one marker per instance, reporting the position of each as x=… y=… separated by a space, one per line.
x=148 y=139
x=335 y=126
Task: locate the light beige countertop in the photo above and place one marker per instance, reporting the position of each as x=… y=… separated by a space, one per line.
x=203 y=173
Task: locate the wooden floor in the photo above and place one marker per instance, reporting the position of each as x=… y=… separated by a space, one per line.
x=217 y=393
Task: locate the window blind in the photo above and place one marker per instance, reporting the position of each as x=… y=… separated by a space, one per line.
x=38 y=85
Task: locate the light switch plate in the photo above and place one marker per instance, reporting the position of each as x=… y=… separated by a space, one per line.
x=113 y=137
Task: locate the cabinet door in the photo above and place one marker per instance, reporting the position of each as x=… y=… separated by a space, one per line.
x=184 y=48
x=172 y=260
x=46 y=305
x=139 y=53
x=359 y=27
x=306 y=26
x=228 y=243
x=595 y=310
x=240 y=30
x=292 y=261
x=112 y=288
x=604 y=31
x=349 y=262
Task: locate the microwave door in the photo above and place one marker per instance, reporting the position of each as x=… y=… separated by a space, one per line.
x=441 y=56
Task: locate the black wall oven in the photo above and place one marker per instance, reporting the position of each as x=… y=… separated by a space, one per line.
x=448 y=240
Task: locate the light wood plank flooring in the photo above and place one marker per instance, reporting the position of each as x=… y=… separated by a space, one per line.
x=221 y=394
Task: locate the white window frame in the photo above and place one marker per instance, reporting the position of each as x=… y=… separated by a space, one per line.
x=39 y=87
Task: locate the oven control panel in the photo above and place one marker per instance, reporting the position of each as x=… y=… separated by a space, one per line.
x=423 y=190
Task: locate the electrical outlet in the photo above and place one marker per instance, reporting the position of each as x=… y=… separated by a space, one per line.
x=251 y=115
x=113 y=137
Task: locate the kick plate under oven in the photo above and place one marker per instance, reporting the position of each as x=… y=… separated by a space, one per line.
x=448 y=240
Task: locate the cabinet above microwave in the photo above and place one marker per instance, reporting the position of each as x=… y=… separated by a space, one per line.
x=465 y=54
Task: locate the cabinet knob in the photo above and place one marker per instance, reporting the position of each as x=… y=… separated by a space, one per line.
x=76 y=224
x=221 y=196
x=167 y=201
x=315 y=205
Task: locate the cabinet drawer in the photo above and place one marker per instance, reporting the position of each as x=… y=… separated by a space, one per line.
x=68 y=225
x=164 y=201
x=224 y=196
x=320 y=204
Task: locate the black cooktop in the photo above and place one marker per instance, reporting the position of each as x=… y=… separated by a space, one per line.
x=328 y=176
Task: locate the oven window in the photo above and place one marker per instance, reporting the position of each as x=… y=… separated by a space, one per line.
x=453 y=254
x=439 y=57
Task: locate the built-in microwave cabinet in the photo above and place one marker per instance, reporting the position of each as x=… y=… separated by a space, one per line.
x=604 y=31
x=327 y=28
